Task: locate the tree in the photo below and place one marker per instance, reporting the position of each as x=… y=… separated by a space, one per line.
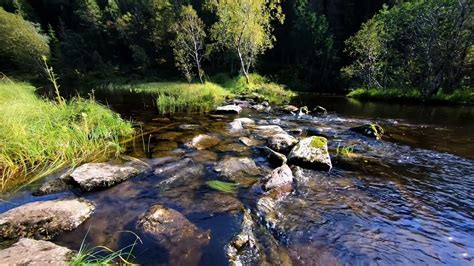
x=189 y=42
x=245 y=27
x=21 y=43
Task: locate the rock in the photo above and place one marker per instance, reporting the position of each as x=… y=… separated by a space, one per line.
x=35 y=252
x=277 y=178
x=174 y=232
x=268 y=130
x=170 y=136
x=95 y=176
x=236 y=168
x=266 y=207
x=259 y=107
x=266 y=104
x=165 y=146
x=235 y=126
x=216 y=202
x=164 y=120
x=282 y=142
x=228 y=109
x=52 y=186
x=179 y=173
x=249 y=142
x=232 y=147
x=242 y=103
x=245 y=121
x=188 y=126
x=290 y=108
x=203 y=156
x=275 y=158
x=303 y=111
x=44 y=219
x=203 y=141
x=311 y=152
x=319 y=110
x=370 y=130
x=244 y=249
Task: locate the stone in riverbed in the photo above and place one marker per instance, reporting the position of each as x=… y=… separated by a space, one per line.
x=290 y=108
x=245 y=121
x=277 y=178
x=228 y=109
x=173 y=231
x=203 y=141
x=44 y=219
x=370 y=130
x=95 y=176
x=249 y=142
x=268 y=130
x=244 y=248
x=274 y=158
x=235 y=126
x=311 y=152
x=319 y=110
x=35 y=252
x=236 y=168
x=282 y=142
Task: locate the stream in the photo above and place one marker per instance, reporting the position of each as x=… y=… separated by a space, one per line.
x=404 y=200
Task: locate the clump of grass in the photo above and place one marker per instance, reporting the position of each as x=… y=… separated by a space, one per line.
x=38 y=137
x=227 y=187
x=344 y=151
x=102 y=255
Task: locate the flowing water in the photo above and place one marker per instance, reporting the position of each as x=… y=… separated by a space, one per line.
x=404 y=200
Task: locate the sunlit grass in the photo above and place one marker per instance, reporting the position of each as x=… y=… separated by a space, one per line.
x=38 y=137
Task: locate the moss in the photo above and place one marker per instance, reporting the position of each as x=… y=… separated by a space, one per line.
x=378 y=130
x=319 y=142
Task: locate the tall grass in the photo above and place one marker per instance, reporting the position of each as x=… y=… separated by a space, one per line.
x=38 y=137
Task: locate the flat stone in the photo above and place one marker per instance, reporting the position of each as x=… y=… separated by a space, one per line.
x=174 y=232
x=312 y=153
x=277 y=178
x=203 y=156
x=268 y=130
x=290 y=108
x=179 y=173
x=235 y=168
x=249 y=142
x=35 y=252
x=53 y=186
x=96 y=176
x=44 y=219
x=235 y=126
x=245 y=121
x=282 y=142
x=216 y=202
x=228 y=109
x=203 y=141
x=171 y=135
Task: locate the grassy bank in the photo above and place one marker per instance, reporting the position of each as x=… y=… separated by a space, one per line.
x=461 y=96
x=181 y=97
x=39 y=137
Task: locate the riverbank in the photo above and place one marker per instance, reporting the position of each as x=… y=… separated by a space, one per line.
x=40 y=137
x=461 y=96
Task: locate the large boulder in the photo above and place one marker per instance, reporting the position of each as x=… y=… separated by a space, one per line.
x=282 y=142
x=370 y=130
x=35 y=252
x=174 y=232
x=44 y=219
x=203 y=141
x=312 y=153
x=277 y=178
x=96 y=176
x=228 y=109
x=237 y=168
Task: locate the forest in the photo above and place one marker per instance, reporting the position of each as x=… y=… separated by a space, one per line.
x=236 y=132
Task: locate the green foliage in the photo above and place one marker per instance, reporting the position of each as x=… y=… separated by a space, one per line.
x=189 y=43
x=344 y=151
x=39 y=137
x=223 y=186
x=245 y=27
x=21 y=43
x=416 y=44
x=319 y=142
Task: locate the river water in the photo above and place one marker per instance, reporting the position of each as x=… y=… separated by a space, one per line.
x=404 y=200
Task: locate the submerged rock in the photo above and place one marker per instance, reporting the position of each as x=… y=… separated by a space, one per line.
x=203 y=141
x=173 y=231
x=249 y=142
x=370 y=130
x=290 y=108
x=274 y=158
x=95 y=176
x=35 y=252
x=44 y=219
x=228 y=109
x=179 y=173
x=245 y=121
x=53 y=186
x=244 y=249
x=277 y=178
x=235 y=126
x=170 y=135
x=217 y=202
x=282 y=142
x=319 y=110
x=237 y=168
x=311 y=152
x=268 y=130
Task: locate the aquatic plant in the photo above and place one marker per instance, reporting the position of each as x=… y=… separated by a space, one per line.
x=39 y=137
x=102 y=255
x=227 y=187
x=344 y=151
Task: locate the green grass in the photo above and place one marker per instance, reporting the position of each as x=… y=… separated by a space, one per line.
x=460 y=96
x=344 y=151
x=223 y=186
x=39 y=137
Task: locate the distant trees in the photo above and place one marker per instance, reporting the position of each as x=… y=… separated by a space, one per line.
x=420 y=44
x=21 y=43
x=188 y=44
x=245 y=27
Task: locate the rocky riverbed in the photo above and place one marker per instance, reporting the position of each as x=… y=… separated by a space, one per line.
x=311 y=188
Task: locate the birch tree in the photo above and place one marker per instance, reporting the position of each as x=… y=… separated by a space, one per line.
x=245 y=27
x=189 y=43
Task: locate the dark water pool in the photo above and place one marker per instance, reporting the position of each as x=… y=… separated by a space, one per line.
x=404 y=200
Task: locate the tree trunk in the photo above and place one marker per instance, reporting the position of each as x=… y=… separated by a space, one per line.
x=242 y=63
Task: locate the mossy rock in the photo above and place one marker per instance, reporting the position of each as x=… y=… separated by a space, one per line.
x=311 y=153
x=370 y=130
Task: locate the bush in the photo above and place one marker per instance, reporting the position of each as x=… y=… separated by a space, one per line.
x=39 y=137
x=21 y=43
